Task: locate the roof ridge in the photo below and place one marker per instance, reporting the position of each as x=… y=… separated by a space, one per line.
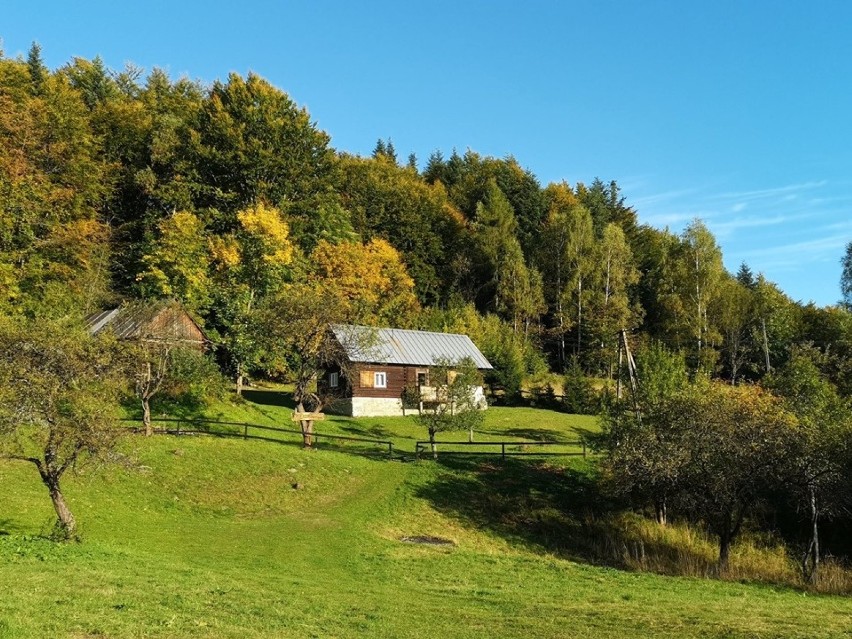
x=403 y=330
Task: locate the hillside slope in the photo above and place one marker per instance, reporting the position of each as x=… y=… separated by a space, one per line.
x=202 y=536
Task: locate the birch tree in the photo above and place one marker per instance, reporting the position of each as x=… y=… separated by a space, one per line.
x=701 y=272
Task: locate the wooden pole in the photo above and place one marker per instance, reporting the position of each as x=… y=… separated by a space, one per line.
x=631 y=368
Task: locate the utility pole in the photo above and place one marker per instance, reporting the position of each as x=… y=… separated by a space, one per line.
x=624 y=346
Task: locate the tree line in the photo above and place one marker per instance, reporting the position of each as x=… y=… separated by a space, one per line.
x=118 y=186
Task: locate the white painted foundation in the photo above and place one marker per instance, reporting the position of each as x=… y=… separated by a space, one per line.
x=386 y=406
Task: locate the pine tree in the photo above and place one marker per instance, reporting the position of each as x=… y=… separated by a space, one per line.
x=37 y=70
x=380 y=149
x=745 y=276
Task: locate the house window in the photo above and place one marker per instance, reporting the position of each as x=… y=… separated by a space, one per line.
x=333 y=380
x=422 y=378
x=380 y=380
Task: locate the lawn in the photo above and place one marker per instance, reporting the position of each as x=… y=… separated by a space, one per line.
x=204 y=536
x=273 y=409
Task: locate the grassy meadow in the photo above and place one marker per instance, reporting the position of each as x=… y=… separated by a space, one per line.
x=207 y=537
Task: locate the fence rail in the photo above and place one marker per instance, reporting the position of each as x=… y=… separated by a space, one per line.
x=506 y=448
x=244 y=432
x=424 y=446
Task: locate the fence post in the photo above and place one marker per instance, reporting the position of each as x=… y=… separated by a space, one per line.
x=584 y=449
x=245 y=431
x=390 y=449
x=503 y=451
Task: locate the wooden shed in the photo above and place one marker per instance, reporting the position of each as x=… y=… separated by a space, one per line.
x=384 y=361
x=161 y=321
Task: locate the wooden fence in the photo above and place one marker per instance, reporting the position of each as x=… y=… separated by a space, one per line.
x=513 y=448
x=241 y=430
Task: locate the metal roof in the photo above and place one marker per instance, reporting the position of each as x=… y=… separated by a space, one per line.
x=400 y=346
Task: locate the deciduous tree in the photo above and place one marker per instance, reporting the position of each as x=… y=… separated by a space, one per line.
x=369 y=280
x=456 y=406
x=59 y=393
x=249 y=264
x=178 y=263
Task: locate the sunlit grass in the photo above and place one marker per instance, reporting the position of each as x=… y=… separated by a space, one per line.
x=211 y=537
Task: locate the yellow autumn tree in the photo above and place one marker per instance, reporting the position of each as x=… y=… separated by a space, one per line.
x=370 y=279
x=177 y=264
x=249 y=264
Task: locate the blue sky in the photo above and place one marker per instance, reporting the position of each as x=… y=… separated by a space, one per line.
x=739 y=113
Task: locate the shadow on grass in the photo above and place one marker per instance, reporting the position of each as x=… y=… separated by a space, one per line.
x=9 y=527
x=558 y=509
x=269 y=398
x=379 y=432
x=532 y=434
x=289 y=437
x=183 y=408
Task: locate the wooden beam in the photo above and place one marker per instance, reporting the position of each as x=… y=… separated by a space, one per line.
x=308 y=417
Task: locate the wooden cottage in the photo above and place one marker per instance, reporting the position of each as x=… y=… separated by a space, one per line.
x=162 y=321
x=382 y=362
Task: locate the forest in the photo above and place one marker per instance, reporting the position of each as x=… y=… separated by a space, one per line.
x=118 y=185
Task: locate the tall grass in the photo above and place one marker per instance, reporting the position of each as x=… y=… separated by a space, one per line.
x=638 y=543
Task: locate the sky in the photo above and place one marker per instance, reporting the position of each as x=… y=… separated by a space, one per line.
x=737 y=113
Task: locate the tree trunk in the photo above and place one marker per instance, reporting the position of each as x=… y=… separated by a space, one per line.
x=307 y=433
x=67 y=523
x=146 y=416
x=561 y=339
x=470 y=435
x=724 y=551
x=661 y=511
x=765 y=344
x=810 y=562
x=433 y=444
x=579 y=315
x=239 y=380
x=307 y=426
x=728 y=531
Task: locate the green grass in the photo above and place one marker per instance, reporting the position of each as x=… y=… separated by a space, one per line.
x=270 y=408
x=204 y=536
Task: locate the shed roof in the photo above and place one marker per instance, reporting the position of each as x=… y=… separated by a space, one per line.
x=400 y=346
x=133 y=320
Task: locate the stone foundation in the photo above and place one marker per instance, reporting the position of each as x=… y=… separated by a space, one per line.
x=385 y=406
x=369 y=407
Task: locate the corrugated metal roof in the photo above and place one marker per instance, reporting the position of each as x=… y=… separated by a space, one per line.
x=400 y=346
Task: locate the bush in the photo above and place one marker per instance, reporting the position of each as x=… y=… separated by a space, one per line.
x=194 y=382
x=579 y=395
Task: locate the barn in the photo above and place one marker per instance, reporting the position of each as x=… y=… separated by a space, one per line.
x=384 y=361
x=160 y=321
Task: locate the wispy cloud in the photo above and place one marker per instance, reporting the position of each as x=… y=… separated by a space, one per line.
x=788 y=192
x=794 y=233
x=813 y=248
x=661 y=198
x=729 y=227
x=665 y=220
